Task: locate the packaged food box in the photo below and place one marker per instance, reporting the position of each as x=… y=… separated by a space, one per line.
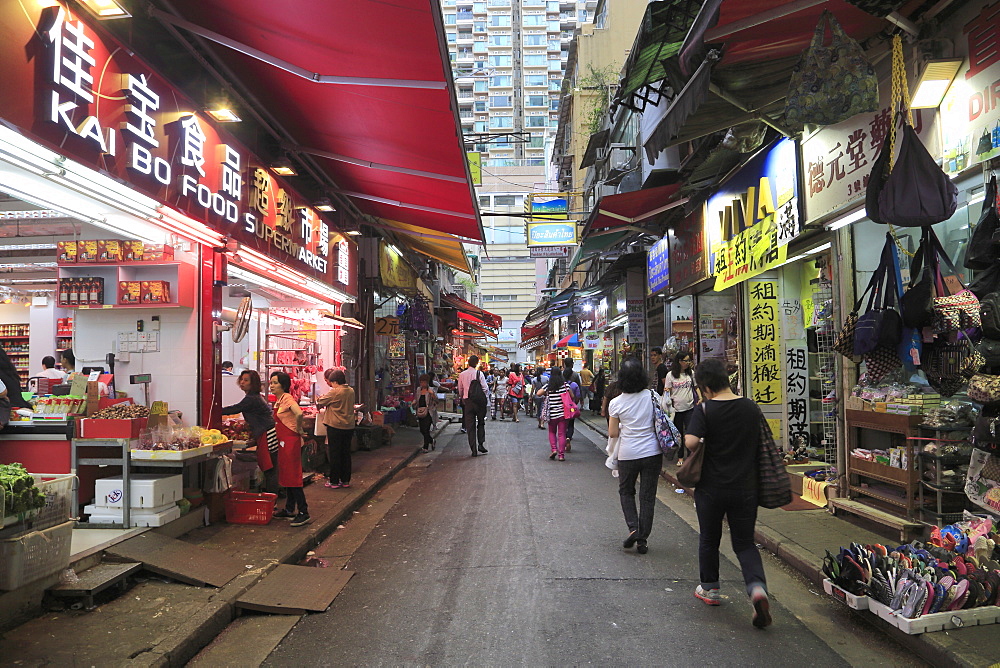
x=157 y=253
x=109 y=250
x=66 y=251
x=129 y=292
x=133 y=251
x=148 y=490
x=155 y=292
x=86 y=251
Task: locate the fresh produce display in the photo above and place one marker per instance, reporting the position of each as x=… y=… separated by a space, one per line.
x=170 y=438
x=235 y=429
x=19 y=492
x=211 y=436
x=122 y=411
x=65 y=404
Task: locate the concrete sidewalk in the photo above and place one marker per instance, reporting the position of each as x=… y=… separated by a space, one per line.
x=162 y=622
x=801 y=539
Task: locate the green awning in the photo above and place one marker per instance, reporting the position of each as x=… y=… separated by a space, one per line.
x=661 y=36
x=595 y=244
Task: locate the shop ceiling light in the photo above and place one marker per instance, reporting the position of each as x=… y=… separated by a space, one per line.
x=935 y=82
x=844 y=221
x=284 y=167
x=224 y=115
x=354 y=233
x=106 y=9
x=24 y=247
x=324 y=204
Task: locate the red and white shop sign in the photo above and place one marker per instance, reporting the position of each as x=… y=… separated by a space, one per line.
x=88 y=97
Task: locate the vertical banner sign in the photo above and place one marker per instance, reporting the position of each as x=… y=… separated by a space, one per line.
x=475 y=167
x=765 y=326
x=636 y=320
x=797 y=395
x=658 y=266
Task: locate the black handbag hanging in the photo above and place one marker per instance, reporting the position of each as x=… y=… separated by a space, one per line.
x=881 y=324
x=982 y=251
x=916 y=306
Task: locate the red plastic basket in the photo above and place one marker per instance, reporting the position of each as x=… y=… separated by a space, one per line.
x=247 y=508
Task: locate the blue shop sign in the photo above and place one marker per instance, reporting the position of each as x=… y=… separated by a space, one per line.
x=658 y=265
x=552 y=234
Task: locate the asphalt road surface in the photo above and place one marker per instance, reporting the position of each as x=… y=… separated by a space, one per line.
x=515 y=559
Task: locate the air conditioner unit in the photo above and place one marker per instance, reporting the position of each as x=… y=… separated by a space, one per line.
x=620 y=157
x=605 y=190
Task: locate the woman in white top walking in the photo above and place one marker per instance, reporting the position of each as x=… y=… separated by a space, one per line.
x=680 y=387
x=639 y=458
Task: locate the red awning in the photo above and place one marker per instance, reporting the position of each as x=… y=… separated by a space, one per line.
x=458 y=303
x=630 y=208
x=395 y=139
x=473 y=320
x=531 y=332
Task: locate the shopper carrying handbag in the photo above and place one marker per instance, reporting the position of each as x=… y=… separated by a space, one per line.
x=729 y=427
x=679 y=389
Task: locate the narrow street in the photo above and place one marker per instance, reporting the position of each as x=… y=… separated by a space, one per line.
x=514 y=559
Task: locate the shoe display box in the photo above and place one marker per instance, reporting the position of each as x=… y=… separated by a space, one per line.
x=938 y=621
x=845 y=597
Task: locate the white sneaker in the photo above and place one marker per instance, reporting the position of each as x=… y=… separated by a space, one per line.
x=708 y=596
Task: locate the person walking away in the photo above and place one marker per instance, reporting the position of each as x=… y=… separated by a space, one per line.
x=681 y=395
x=600 y=384
x=472 y=388
x=554 y=414
x=529 y=393
x=260 y=421
x=425 y=405
x=340 y=424
x=515 y=389
x=729 y=427
x=586 y=385
x=541 y=380
x=631 y=421
x=576 y=393
x=498 y=394
x=659 y=368
x=288 y=426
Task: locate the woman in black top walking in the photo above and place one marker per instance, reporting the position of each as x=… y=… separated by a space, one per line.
x=729 y=426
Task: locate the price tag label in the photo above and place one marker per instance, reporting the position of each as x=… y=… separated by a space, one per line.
x=94 y=375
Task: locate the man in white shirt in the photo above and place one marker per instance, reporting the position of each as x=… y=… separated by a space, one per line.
x=474 y=404
x=49 y=370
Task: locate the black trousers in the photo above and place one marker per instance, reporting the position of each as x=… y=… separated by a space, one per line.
x=296 y=498
x=681 y=420
x=739 y=507
x=570 y=429
x=338 y=443
x=425 y=429
x=474 y=419
x=647 y=472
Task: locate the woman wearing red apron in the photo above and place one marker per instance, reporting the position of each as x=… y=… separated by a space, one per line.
x=288 y=425
x=260 y=421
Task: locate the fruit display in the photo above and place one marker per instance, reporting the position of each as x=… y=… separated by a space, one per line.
x=235 y=429
x=19 y=494
x=122 y=411
x=211 y=436
x=170 y=438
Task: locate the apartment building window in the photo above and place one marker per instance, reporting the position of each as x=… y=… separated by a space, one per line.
x=449 y=19
x=501 y=61
x=502 y=122
x=502 y=80
x=479 y=26
x=535 y=80
x=554 y=105
x=553 y=26
x=535 y=121
x=480 y=126
x=555 y=84
x=484 y=201
x=500 y=298
x=478 y=7
x=481 y=106
x=554 y=45
x=552 y=6
x=480 y=86
x=498 y=3
x=534 y=20
x=505 y=200
x=536 y=100
x=479 y=47
x=555 y=66
x=534 y=40
x=534 y=60
x=537 y=141
x=533 y=3
x=500 y=20
x=500 y=101
x=500 y=40
x=451 y=37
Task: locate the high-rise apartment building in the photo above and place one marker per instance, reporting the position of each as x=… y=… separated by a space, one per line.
x=509 y=58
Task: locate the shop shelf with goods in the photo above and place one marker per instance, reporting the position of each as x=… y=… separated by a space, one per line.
x=14 y=341
x=893 y=489
x=823 y=400
x=297 y=355
x=64 y=334
x=137 y=285
x=941 y=498
x=683 y=330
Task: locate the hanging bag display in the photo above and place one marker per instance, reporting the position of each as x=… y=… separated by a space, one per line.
x=986 y=433
x=957 y=311
x=830 y=83
x=984 y=388
x=911 y=344
x=989 y=315
x=774 y=488
x=982 y=251
x=916 y=306
x=946 y=364
x=880 y=325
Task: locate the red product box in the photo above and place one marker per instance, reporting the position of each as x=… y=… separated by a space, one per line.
x=110 y=250
x=157 y=253
x=129 y=292
x=66 y=251
x=95 y=428
x=155 y=292
x=86 y=251
x=133 y=250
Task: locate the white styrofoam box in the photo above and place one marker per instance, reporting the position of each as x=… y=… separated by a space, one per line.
x=938 y=621
x=138 y=517
x=852 y=601
x=149 y=490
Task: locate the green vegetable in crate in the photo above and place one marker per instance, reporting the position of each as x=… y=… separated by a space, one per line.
x=19 y=492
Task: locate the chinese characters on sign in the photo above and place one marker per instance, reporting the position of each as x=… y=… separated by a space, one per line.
x=636 y=320
x=658 y=266
x=687 y=252
x=749 y=253
x=797 y=395
x=765 y=347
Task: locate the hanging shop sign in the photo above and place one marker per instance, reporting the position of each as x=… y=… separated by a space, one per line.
x=88 y=97
x=754 y=215
x=837 y=159
x=552 y=234
x=387 y=326
x=547 y=221
x=688 y=261
x=657 y=265
x=475 y=167
x=592 y=340
x=601 y=314
x=548 y=251
x=636 y=320
x=797 y=396
x=970 y=112
x=397 y=346
x=394 y=271
x=765 y=342
x=618 y=304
